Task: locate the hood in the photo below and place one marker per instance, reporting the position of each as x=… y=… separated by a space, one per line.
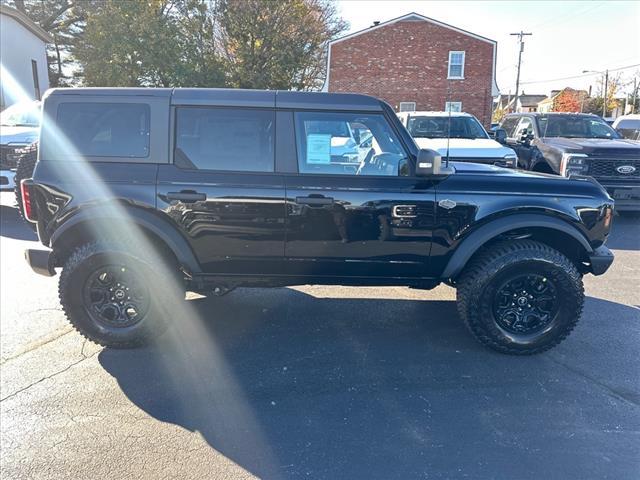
x=18 y=135
x=589 y=145
x=485 y=168
x=343 y=145
x=527 y=184
x=465 y=147
x=340 y=141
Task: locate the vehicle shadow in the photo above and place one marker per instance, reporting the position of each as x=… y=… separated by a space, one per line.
x=625 y=233
x=288 y=385
x=13 y=226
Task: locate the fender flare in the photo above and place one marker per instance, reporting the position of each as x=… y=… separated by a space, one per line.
x=471 y=244
x=538 y=158
x=148 y=221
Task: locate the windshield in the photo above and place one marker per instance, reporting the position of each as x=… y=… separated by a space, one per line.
x=575 y=126
x=438 y=127
x=629 y=124
x=21 y=115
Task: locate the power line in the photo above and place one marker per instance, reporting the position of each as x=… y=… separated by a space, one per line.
x=579 y=76
x=569 y=16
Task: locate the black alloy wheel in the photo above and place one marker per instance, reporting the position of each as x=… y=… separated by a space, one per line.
x=526 y=304
x=115 y=296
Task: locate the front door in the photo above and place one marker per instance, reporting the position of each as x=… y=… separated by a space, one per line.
x=352 y=210
x=222 y=191
x=521 y=142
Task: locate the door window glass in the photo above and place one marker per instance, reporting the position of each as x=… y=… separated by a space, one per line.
x=105 y=129
x=525 y=127
x=347 y=144
x=235 y=139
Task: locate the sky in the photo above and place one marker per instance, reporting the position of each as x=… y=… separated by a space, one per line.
x=568 y=38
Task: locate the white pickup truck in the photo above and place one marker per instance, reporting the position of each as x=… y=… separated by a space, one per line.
x=460 y=136
x=19 y=126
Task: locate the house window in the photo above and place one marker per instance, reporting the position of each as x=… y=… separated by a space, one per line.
x=407 y=106
x=456 y=65
x=36 y=81
x=453 y=107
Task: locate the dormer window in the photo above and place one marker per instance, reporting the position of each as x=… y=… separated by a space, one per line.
x=456 y=65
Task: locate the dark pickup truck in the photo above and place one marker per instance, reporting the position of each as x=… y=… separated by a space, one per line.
x=571 y=144
x=141 y=194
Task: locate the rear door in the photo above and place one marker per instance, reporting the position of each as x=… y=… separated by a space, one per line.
x=222 y=190
x=355 y=211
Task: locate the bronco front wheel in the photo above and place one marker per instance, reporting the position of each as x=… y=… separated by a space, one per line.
x=520 y=297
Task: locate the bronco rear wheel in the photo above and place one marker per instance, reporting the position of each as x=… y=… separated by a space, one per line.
x=116 y=297
x=520 y=297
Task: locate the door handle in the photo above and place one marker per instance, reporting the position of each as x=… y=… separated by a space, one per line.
x=314 y=200
x=187 y=196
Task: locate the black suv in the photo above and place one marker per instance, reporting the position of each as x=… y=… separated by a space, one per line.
x=577 y=144
x=141 y=194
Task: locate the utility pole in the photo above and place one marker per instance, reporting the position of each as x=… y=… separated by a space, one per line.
x=604 y=97
x=520 y=36
x=635 y=92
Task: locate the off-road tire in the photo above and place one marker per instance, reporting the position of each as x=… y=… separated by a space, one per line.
x=478 y=286
x=165 y=294
x=24 y=169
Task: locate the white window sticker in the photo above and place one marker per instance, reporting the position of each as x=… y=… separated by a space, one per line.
x=319 y=148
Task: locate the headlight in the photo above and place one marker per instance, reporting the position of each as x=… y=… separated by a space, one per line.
x=573 y=164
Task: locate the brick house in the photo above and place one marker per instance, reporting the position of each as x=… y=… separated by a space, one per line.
x=565 y=100
x=416 y=63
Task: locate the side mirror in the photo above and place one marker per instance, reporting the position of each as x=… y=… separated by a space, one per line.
x=500 y=134
x=429 y=163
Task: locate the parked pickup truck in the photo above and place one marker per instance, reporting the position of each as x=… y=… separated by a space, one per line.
x=19 y=125
x=458 y=136
x=141 y=194
x=572 y=144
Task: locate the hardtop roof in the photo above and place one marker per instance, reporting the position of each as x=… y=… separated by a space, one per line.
x=237 y=97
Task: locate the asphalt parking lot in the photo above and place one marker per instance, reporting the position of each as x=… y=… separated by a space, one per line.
x=318 y=382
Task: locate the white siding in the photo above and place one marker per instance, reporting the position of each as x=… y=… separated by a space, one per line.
x=18 y=46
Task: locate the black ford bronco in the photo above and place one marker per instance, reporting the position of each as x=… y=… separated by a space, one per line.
x=141 y=194
x=578 y=144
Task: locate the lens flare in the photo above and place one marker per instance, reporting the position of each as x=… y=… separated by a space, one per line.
x=11 y=88
x=192 y=351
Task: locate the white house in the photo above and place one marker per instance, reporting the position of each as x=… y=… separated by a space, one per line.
x=23 y=58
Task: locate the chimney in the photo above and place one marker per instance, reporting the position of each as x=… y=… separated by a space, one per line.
x=376 y=23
